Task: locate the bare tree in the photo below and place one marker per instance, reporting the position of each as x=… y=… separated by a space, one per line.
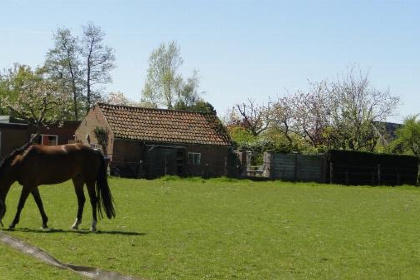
x=255 y=118
x=99 y=60
x=356 y=106
x=281 y=114
x=312 y=113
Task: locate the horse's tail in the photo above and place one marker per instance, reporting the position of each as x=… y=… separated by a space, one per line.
x=103 y=192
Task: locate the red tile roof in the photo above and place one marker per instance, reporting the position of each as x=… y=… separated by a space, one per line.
x=165 y=126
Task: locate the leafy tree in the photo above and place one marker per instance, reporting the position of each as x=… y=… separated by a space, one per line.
x=347 y=113
x=36 y=99
x=162 y=77
x=408 y=136
x=164 y=86
x=63 y=64
x=78 y=66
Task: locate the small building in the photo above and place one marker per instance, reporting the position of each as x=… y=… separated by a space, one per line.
x=150 y=143
x=14 y=133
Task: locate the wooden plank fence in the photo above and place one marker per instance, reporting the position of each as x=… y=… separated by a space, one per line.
x=295 y=167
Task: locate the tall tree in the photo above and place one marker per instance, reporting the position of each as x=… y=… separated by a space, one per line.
x=99 y=60
x=162 y=78
x=164 y=86
x=63 y=65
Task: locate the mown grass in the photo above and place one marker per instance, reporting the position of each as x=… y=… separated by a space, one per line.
x=227 y=229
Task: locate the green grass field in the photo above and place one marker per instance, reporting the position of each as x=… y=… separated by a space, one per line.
x=221 y=229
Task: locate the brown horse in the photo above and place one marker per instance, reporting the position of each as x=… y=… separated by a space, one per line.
x=33 y=165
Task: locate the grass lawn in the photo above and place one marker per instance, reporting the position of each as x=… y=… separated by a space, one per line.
x=221 y=229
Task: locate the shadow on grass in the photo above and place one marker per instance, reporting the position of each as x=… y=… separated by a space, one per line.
x=81 y=231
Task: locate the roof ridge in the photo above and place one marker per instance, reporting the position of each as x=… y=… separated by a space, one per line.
x=100 y=104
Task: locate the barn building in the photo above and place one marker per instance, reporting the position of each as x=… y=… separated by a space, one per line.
x=150 y=143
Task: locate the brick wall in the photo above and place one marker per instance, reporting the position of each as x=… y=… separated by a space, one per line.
x=84 y=132
x=126 y=158
x=213 y=161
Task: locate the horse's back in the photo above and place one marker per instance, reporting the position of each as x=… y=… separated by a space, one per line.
x=55 y=164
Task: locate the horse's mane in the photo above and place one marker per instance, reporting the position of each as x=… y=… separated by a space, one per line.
x=7 y=160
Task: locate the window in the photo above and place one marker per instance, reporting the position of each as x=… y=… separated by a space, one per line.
x=48 y=140
x=194 y=158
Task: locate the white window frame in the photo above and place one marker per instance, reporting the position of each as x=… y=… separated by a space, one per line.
x=194 y=158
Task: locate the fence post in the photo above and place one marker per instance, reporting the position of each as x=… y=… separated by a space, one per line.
x=418 y=174
x=347 y=176
x=379 y=174
x=226 y=167
x=331 y=173
x=372 y=173
x=267 y=164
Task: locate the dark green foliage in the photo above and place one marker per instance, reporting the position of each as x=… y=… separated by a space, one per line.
x=101 y=135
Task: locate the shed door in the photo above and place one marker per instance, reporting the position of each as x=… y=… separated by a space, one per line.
x=163 y=161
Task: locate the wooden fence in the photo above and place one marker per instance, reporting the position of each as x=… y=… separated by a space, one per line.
x=295 y=167
x=340 y=167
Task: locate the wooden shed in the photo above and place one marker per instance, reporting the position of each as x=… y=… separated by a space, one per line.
x=150 y=143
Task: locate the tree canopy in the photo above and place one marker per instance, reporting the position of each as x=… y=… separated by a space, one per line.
x=164 y=85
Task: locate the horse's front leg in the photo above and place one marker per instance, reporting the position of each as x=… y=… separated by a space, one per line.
x=37 y=197
x=23 y=196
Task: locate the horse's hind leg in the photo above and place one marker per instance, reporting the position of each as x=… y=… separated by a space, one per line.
x=78 y=188
x=93 y=202
x=23 y=196
x=37 y=197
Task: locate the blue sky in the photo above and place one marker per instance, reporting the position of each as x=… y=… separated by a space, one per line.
x=242 y=49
